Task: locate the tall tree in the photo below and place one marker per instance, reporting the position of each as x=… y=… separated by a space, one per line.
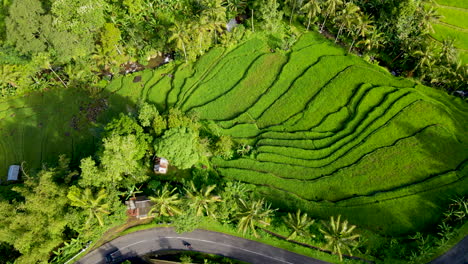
x=428 y=16
x=202 y=200
x=311 y=8
x=339 y=236
x=299 y=223
x=180 y=37
x=235 y=7
x=362 y=27
x=252 y=214
x=95 y=204
x=347 y=17
x=166 y=202
x=179 y=146
x=330 y=9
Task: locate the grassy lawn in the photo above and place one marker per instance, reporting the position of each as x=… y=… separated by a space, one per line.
x=454 y=3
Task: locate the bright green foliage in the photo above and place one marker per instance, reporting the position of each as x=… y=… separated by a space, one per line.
x=223 y=147
x=35 y=226
x=120 y=163
x=94 y=204
x=179 y=146
x=147 y=114
x=125 y=125
x=177 y=119
x=270 y=15
x=202 y=201
x=252 y=214
x=339 y=236
x=166 y=202
x=121 y=157
x=299 y=223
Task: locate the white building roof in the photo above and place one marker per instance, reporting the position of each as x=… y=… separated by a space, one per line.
x=13 y=172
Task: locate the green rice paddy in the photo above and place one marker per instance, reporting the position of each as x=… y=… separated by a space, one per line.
x=453 y=25
x=331 y=134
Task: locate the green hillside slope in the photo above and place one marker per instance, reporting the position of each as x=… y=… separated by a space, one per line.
x=331 y=133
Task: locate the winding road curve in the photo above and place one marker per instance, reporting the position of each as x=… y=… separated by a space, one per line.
x=160 y=239
x=456 y=255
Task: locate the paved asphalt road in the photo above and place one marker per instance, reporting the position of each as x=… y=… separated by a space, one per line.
x=456 y=255
x=160 y=239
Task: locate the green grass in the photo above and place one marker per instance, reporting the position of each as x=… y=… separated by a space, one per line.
x=443 y=32
x=456 y=17
x=453 y=3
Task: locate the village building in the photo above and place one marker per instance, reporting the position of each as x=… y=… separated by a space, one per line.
x=161 y=165
x=13 y=173
x=139 y=207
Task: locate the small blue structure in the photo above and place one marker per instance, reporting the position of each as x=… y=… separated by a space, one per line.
x=13 y=173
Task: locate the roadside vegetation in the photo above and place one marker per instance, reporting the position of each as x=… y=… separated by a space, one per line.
x=272 y=130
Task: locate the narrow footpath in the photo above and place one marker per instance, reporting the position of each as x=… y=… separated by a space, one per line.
x=161 y=239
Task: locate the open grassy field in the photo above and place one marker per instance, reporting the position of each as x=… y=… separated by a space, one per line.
x=453 y=24
x=331 y=134
x=38 y=127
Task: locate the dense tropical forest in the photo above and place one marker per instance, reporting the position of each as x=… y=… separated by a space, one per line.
x=330 y=128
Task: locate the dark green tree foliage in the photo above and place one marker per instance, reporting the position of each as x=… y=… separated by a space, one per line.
x=25 y=26
x=179 y=146
x=35 y=226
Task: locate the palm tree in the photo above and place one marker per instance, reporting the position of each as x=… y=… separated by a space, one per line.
x=234 y=6
x=347 y=17
x=362 y=28
x=215 y=14
x=428 y=16
x=426 y=60
x=448 y=52
x=202 y=200
x=252 y=214
x=166 y=202
x=299 y=223
x=373 y=41
x=293 y=3
x=339 y=236
x=330 y=9
x=311 y=8
x=95 y=204
x=180 y=36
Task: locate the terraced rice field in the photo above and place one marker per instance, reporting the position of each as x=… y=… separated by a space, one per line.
x=331 y=134
x=453 y=25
